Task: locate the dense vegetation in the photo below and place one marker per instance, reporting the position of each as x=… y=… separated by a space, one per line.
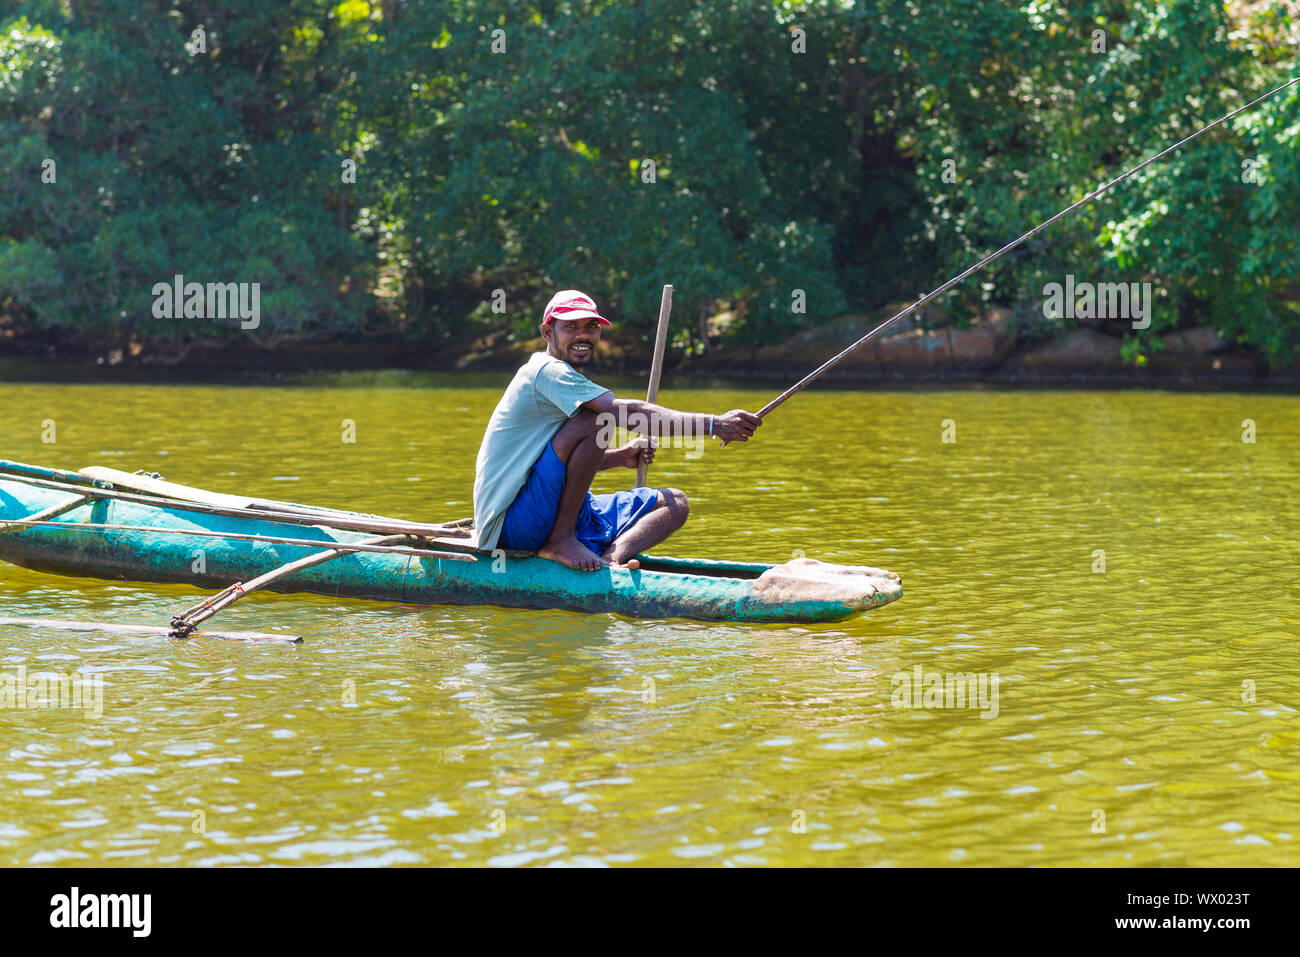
x=503 y=148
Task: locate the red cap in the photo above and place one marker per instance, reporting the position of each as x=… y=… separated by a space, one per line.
x=572 y=304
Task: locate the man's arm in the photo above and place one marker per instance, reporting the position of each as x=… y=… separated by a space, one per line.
x=656 y=421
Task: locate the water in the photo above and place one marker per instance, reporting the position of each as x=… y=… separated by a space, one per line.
x=1145 y=714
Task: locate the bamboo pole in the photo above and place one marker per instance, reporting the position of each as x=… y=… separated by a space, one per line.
x=329 y=520
x=657 y=366
x=42 y=518
x=39 y=471
x=184 y=623
x=11 y=524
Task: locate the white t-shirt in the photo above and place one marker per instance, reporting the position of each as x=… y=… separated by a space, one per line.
x=543 y=395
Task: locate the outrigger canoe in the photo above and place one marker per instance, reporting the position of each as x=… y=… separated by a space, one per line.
x=167 y=540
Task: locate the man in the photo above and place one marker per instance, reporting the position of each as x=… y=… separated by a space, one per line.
x=545 y=443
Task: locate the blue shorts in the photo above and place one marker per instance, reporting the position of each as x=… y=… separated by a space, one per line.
x=601 y=519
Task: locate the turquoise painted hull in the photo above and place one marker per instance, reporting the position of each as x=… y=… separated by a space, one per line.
x=662 y=588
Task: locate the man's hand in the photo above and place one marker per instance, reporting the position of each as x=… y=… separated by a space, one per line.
x=637 y=451
x=735 y=426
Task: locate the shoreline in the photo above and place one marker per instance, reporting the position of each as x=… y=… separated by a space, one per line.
x=988 y=353
x=19 y=371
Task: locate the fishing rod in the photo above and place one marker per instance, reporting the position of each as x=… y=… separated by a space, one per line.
x=835 y=360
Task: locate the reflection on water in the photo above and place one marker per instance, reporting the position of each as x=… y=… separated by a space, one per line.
x=1123 y=563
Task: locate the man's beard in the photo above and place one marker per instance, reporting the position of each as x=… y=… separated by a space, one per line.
x=580 y=358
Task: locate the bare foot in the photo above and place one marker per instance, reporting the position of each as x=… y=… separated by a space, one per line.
x=611 y=556
x=571 y=552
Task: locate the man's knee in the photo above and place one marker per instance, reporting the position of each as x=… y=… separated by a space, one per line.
x=581 y=425
x=676 y=502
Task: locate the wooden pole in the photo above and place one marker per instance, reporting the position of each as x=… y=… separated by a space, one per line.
x=11 y=524
x=40 y=518
x=184 y=623
x=657 y=364
x=325 y=518
x=112 y=480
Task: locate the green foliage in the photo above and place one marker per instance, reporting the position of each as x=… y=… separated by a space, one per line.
x=1043 y=117
x=168 y=162
x=526 y=170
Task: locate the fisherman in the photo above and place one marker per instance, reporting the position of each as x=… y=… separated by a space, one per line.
x=547 y=439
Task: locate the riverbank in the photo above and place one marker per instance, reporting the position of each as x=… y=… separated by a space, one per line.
x=991 y=350
x=994 y=350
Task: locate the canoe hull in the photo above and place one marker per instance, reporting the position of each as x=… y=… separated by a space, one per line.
x=662 y=588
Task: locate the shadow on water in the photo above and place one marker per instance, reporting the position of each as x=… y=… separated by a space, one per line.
x=547 y=672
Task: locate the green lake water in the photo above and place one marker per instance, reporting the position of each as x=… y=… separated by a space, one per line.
x=1145 y=714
